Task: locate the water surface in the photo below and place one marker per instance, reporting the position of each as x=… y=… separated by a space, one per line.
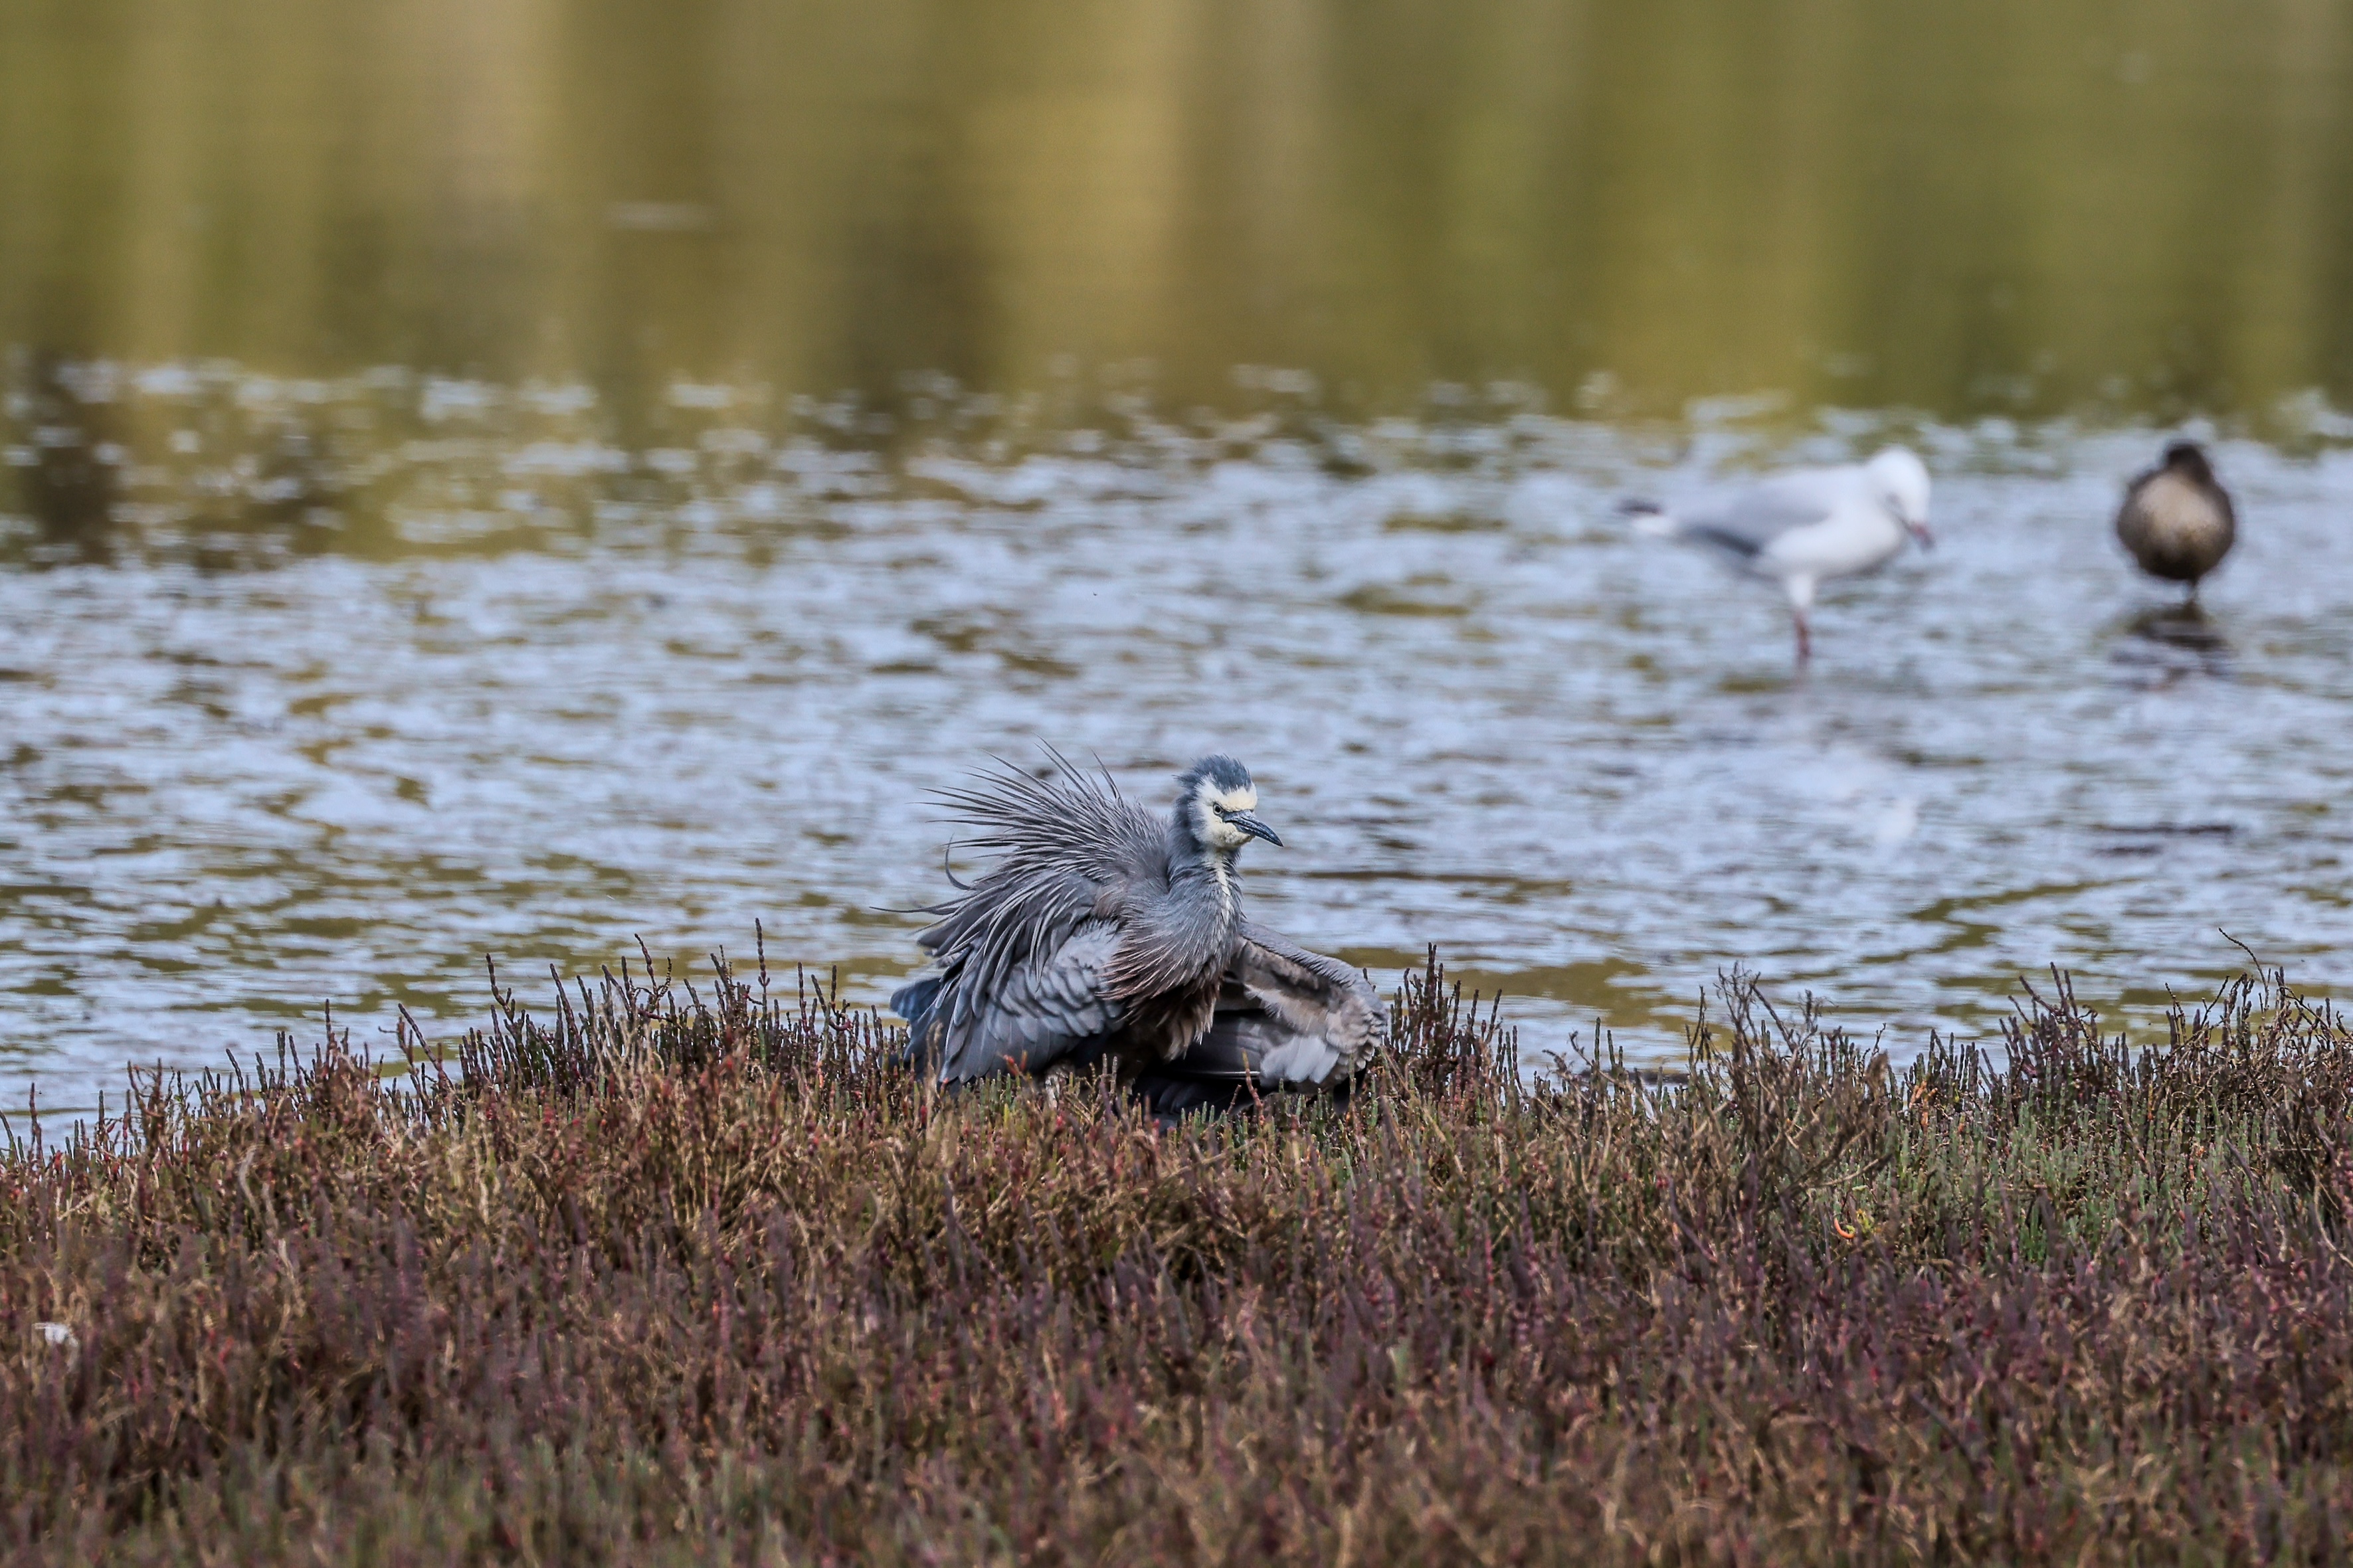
x=2011 y=205
x=561 y=696
x=509 y=478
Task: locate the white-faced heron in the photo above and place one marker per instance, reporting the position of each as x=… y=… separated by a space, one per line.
x=1104 y=934
x=1804 y=526
x=2177 y=519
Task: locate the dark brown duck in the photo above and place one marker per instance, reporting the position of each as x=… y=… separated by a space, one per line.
x=2177 y=518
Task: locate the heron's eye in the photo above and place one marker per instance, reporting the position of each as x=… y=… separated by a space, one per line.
x=1223 y=812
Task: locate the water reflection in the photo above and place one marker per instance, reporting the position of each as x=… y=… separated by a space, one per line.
x=65 y=464
x=2167 y=642
x=2020 y=206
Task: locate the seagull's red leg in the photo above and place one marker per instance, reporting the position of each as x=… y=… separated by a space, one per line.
x=1805 y=637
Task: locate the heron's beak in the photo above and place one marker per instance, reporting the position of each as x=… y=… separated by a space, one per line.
x=1249 y=822
x=1919 y=531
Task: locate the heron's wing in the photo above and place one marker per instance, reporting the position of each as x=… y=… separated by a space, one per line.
x=1036 y=1013
x=914 y=1002
x=1288 y=1017
x=1077 y=822
x=1070 y=851
x=1746 y=521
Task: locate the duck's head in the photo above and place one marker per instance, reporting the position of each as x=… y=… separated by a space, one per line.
x=2188 y=458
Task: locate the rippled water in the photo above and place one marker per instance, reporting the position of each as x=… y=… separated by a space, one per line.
x=326 y=688
x=375 y=676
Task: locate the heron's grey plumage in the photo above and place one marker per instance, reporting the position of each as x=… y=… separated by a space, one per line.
x=1102 y=931
x=1294 y=1017
x=2177 y=519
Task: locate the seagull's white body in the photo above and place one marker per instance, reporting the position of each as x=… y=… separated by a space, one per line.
x=1804 y=526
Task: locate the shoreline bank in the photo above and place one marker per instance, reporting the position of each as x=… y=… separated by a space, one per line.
x=701 y=1275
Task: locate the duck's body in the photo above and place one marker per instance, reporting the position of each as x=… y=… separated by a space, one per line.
x=2177 y=519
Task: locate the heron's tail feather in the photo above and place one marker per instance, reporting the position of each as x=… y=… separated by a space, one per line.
x=914 y=1003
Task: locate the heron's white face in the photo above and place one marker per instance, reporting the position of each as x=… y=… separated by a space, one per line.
x=1214 y=809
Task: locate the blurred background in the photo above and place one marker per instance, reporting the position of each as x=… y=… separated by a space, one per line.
x=512 y=478
x=2038 y=205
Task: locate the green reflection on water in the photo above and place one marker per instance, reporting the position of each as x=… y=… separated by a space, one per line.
x=1998 y=205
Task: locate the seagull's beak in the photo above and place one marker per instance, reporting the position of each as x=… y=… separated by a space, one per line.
x=1919 y=531
x=1249 y=822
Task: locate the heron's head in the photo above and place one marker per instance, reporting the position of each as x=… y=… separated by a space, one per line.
x=1218 y=805
x=1900 y=481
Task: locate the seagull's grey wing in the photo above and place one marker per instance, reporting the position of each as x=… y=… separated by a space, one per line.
x=1037 y=1013
x=1746 y=521
x=1287 y=1016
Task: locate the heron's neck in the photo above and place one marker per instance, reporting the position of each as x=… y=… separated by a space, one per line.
x=1207 y=869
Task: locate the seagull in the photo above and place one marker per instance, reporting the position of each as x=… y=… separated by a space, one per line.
x=1806 y=524
x=2177 y=518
